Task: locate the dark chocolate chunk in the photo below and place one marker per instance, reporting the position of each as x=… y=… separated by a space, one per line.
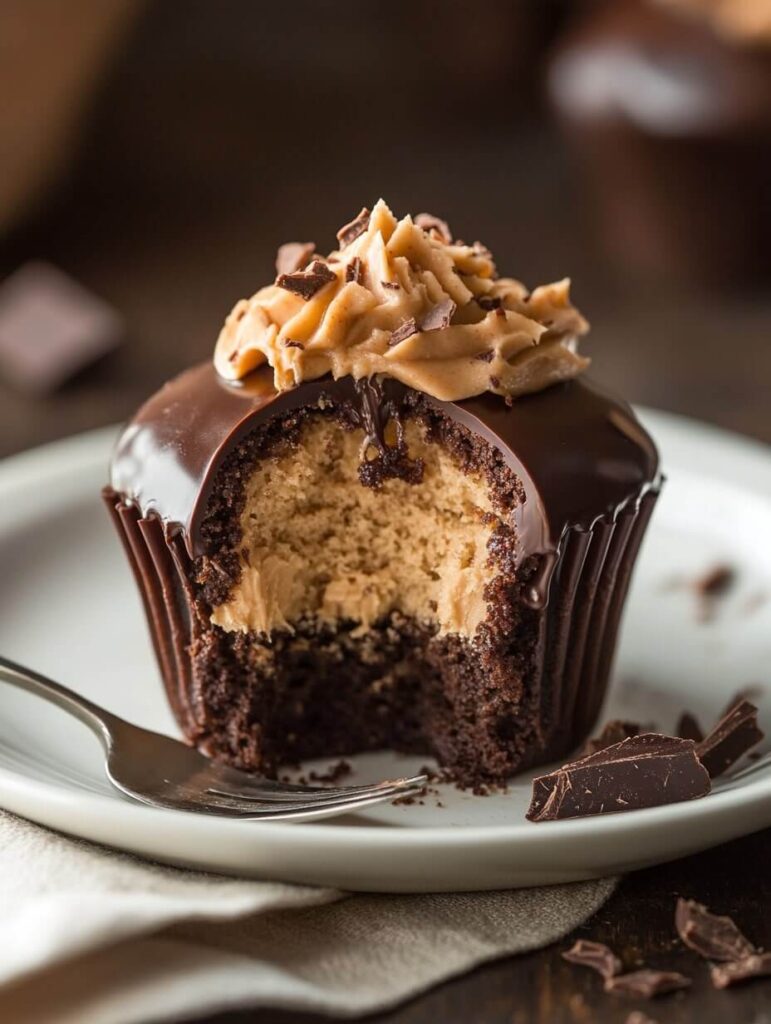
x=405 y=330
x=595 y=955
x=750 y=693
x=488 y=302
x=646 y=983
x=756 y=966
x=643 y=771
x=733 y=736
x=351 y=231
x=435 y=226
x=355 y=271
x=714 y=937
x=51 y=328
x=688 y=728
x=293 y=256
x=438 y=318
x=306 y=283
x=612 y=732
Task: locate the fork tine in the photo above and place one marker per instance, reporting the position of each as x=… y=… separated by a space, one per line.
x=237 y=783
x=252 y=808
x=320 y=795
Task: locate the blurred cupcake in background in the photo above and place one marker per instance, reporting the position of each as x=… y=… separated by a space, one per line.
x=667 y=104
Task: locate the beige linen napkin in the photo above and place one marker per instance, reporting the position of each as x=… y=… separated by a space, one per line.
x=92 y=936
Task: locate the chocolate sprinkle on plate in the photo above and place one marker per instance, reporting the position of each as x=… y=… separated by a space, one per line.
x=355 y=271
x=733 y=736
x=756 y=966
x=646 y=983
x=293 y=256
x=435 y=225
x=644 y=771
x=406 y=330
x=438 y=318
x=595 y=955
x=306 y=283
x=712 y=936
x=716 y=582
x=351 y=231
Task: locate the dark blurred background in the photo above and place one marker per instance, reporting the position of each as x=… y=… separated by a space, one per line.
x=159 y=152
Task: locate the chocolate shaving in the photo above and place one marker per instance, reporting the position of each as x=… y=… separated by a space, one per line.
x=404 y=331
x=613 y=732
x=293 y=256
x=393 y=285
x=355 y=271
x=756 y=966
x=688 y=728
x=289 y=343
x=485 y=357
x=595 y=955
x=495 y=381
x=306 y=283
x=351 y=231
x=435 y=226
x=488 y=302
x=733 y=736
x=712 y=936
x=643 y=771
x=646 y=983
x=438 y=318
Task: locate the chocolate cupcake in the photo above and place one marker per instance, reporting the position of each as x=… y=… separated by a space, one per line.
x=391 y=513
x=667 y=104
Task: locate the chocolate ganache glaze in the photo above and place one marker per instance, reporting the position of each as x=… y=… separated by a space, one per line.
x=579 y=453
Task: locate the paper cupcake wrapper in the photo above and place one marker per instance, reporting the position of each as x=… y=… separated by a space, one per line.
x=577 y=629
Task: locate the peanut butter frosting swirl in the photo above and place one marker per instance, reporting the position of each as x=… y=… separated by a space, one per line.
x=402 y=298
x=746 y=22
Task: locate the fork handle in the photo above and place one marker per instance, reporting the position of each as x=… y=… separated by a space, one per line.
x=97 y=719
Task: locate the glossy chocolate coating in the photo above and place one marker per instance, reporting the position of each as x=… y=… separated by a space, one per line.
x=579 y=453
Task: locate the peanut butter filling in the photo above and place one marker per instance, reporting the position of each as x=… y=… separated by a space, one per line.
x=318 y=544
x=400 y=298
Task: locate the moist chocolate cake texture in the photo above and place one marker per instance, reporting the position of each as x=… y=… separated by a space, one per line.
x=345 y=545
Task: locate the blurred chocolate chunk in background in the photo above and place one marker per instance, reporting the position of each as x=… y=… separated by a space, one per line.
x=158 y=153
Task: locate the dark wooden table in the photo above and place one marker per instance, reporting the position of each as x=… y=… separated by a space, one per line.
x=174 y=210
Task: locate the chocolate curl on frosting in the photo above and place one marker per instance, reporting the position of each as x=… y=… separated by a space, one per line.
x=475 y=331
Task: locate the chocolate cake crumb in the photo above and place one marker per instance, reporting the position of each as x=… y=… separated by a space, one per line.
x=340 y=770
x=716 y=582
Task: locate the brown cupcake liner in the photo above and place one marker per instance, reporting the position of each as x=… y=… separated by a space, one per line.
x=577 y=629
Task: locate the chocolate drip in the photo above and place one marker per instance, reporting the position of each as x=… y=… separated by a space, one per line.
x=580 y=455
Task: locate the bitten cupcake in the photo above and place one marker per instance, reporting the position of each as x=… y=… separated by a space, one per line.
x=390 y=513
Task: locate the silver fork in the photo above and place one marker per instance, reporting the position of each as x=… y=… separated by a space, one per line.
x=163 y=772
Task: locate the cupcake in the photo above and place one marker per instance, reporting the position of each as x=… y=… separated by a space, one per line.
x=667 y=104
x=390 y=513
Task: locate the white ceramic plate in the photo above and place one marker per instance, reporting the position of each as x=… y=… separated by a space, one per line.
x=68 y=608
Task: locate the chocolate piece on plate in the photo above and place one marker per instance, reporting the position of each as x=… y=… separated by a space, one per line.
x=293 y=256
x=712 y=936
x=612 y=732
x=732 y=737
x=595 y=955
x=688 y=728
x=51 y=328
x=646 y=983
x=756 y=966
x=306 y=283
x=644 y=771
